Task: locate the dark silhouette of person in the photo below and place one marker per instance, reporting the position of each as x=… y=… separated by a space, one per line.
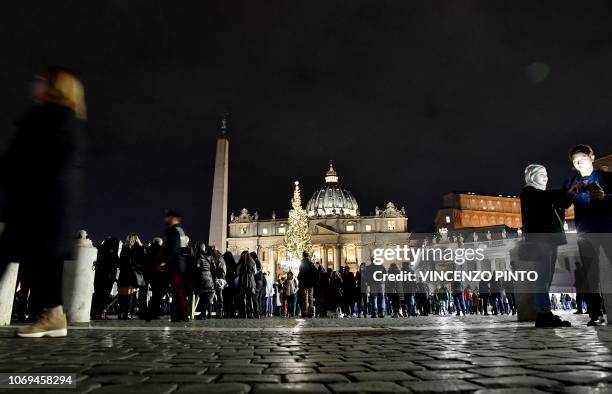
x=106 y=265
x=41 y=176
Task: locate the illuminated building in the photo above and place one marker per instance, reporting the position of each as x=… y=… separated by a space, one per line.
x=469 y=209
x=340 y=234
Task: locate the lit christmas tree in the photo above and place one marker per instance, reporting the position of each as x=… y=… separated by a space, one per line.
x=297 y=237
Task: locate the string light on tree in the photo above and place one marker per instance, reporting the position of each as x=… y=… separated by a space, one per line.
x=297 y=237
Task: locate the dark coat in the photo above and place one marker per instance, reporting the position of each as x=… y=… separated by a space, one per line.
x=231 y=268
x=246 y=272
x=131 y=263
x=333 y=297
x=173 y=252
x=543 y=212
x=394 y=286
x=307 y=274
x=370 y=271
x=107 y=263
x=204 y=282
x=154 y=254
x=349 y=286
x=41 y=175
x=593 y=216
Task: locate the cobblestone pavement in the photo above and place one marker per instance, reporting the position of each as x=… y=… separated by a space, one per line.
x=421 y=355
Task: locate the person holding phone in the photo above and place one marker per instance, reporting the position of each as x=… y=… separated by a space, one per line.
x=593 y=215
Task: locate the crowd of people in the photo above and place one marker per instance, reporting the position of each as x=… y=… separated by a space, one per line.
x=171 y=276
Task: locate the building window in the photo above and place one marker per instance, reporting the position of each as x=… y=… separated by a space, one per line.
x=243 y=230
x=368 y=227
x=447 y=219
x=281 y=230
x=351 y=255
x=265 y=231
x=350 y=227
x=391 y=225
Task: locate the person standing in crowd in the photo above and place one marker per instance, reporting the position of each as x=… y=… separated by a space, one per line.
x=483 y=294
x=422 y=298
x=361 y=292
x=269 y=300
x=542 y=213
x=348 y=292
x=503 y=300
x=457 y=288
x=204 y=284
x=443 y=298
x=509 y=286
x=47 y=150
x=409 y=290
x=219 y=272
x=131 y=263
x=248 y=286
x=231 y=290
x=259 y=285
x=592 y=199
x=436 y=302
x=306 y=280
x=106 y=266
x=333 y=297
x=321 y=291
x=154 y=274
x=476 y=305
x=553 y=302
x=494 y=295
x=394 y=290
x=468 y=296
x=376 y=289
x=175 y=243
x=290 y=289
x=278 y=299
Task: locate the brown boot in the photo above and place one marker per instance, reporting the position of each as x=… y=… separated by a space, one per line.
x=52 y=323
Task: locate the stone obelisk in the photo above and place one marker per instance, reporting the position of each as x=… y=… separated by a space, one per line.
x=217 y=234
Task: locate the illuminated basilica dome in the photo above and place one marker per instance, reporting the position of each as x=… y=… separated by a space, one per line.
x=332 y=200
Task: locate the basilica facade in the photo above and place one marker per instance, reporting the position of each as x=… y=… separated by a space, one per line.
x=341 y=236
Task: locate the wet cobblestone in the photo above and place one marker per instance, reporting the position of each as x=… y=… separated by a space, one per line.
x=420 y=355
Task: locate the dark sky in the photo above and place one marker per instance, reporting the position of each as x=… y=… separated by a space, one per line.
x=410 y=99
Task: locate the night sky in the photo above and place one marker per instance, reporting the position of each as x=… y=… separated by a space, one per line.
x=410 y=99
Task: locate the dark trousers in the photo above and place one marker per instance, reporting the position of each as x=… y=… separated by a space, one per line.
x=598 y=273
x=158 y=289
x=376 y=304
x=102 y=289
x=251 y=306
x=458 y=300
x=180 y=310
x=362 y=304
x=579 y=301
x=511 y=302
x=220 y=306
x=229 y=305
x=394 y=300
x=484 y=299
x=206 y=304
x=47 y=283
x=259 y=297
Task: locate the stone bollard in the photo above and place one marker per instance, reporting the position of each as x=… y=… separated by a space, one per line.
x=78 y=281
x=8 y=284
